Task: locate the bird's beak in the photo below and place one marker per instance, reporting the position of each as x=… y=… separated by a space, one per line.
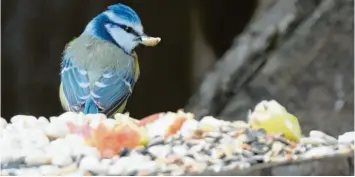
x=149 y=41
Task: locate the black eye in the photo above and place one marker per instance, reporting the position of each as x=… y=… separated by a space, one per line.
x=128 y=29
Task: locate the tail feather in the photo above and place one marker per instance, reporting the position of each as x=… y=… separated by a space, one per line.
x=91 y=107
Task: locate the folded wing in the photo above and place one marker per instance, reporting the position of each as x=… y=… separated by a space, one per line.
x=76 y=86
x=112 y=89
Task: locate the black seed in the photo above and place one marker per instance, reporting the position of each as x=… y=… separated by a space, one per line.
x=11 y=173
x=258 y=159
x=209 y=163
x=124 y=152
x=222 y=156
x=207 y=152
x=250 y=136
x=259 y=148
x=283 y=140
x=132 y=173
x=216 y=140
x=142 y=151
x=189 y=145
x=78 y=159
x=156 y=141
x=229 y=160
x=190 y=155
x=93 y=173
x=145 y=152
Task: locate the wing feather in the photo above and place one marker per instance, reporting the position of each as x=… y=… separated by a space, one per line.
x=113 y=89
x=76 y=86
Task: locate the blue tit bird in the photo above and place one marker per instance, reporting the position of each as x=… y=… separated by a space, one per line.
x=100 y=67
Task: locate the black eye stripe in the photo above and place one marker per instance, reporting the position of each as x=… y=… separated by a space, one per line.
x=126 y=28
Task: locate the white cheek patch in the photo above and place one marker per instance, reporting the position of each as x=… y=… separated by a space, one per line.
x=121 y=37
x=115 y=32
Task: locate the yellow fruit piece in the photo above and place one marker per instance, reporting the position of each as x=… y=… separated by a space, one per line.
x=275 y=119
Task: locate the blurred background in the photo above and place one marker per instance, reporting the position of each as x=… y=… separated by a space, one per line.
x=309 y=69
x=36 y=31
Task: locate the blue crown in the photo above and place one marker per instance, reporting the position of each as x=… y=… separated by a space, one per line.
x=125 y=13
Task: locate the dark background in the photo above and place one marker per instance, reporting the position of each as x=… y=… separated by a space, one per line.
x=35 y=32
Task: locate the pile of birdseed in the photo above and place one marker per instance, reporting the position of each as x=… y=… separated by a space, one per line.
x=36 y=146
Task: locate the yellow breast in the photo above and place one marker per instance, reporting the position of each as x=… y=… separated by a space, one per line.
x=136 y=65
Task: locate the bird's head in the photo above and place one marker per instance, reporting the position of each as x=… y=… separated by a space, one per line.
x=122 y=26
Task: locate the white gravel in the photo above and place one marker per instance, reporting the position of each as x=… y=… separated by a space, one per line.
x=48 y=148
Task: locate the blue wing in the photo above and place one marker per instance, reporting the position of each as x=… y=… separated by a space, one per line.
x=76 y=86
x=112 y=89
